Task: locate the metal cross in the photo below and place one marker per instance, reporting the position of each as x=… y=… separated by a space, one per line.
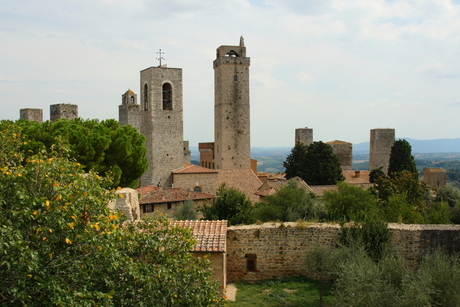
x=160 y=58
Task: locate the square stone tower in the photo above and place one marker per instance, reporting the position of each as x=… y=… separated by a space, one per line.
x=63 y=110
x=31 y=114
x=380 y=148
x=344 y=151
x=129 y=110
x=304 y=136
x=231 y=108
x=162 y=123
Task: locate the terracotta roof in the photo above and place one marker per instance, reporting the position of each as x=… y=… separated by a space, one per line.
x=270 y=187
x=243 y=180
x=159 y=195
x=211 y=235
x=319 y=189
x=338 y=142
x=193 y=169
x=129 y=92
x=435 y=170
x=354 y=177
x=146 y=188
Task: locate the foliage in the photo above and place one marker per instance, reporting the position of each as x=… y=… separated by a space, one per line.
x=231 y=205
x=322 y=262
x=290 y=203
x=104 y=147
x=449 y=194
x=322 y=165
x=61 y=246
x=316 y=164
x=371 y=233
x=375 y=174
x=401 y=158
x=186 y=211
x=391 y=282
x=293 y=291
x=295 y=161
x=349 y=202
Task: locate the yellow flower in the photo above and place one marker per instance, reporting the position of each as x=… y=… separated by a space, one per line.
x=71 y=225
x=47 y=204
x=68 y=241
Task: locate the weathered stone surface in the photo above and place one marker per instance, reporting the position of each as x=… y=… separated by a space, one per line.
x=127 y=202
x=381 y=141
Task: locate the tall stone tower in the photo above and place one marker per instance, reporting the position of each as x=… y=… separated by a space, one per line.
x=31 y=114
x=304 y=135
x=231 y=108
x=63 y=110
x=129 y=110
x=344 y=151
x=162 y=123
x=380 y=148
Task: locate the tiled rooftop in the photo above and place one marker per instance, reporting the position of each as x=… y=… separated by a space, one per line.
x=158 y=195
x=243 y=180
x=338 y=142
x=354 y=177
x=269 y=187
x=193 y=169
x=211 y=235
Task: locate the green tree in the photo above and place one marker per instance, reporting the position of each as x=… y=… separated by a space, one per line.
x=449 y=194
x=316 y=164
x=104 y=147
x=349 y=203
x=322 y=165
x=290 y=203
x=61 y=246
x=186 y=211
x=295 y=162
x=231 y=205
x=401 y=158
x=375 y=174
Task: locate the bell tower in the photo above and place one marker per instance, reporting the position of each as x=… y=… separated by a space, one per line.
x=162 y=123
x=231 y=108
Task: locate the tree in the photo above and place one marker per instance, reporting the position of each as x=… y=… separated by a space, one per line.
x=316 y=164
x=186 y=211
x=322 y=165
x=449 y=194
x=295 y=161
x=290 y=203
x=349 y=203
x=61 y=246
x=104 y=147
x=401 y=158
x=375 y=174
x=231 y=205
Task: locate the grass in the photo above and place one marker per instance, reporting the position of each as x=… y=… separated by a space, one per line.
x=293 y=291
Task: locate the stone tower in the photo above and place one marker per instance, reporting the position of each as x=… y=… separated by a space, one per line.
x=304 y=135
x=63 y=110
x=31 y=114
x=344 y=151
x=162 y=123
x=380 y=148
x=231 y=108
x=129 y=110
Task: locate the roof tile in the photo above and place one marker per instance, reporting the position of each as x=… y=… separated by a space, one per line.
x=211 y=235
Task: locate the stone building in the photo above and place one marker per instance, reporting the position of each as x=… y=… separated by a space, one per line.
x=344 y=151
x=196 y=178
x=31 y=114
x=231 y=108
x=129 y=110
x=63 y=110
x=304 y=136
x=435 y=177
x=381 y=141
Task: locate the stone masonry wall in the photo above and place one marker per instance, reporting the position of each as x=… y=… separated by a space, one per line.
x=63 y=110
x=206 y=181
x=31 y=114
x=278 y=251
x=381 y=141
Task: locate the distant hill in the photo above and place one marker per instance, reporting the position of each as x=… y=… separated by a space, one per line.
x=419 y=146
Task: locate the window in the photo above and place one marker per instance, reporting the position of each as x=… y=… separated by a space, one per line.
x=235 y=78
x=132 y=99
x=146 y=97
x=167 y=96
x=251 y=262
x=197 y=189
x=148 y=208
x=169 y=205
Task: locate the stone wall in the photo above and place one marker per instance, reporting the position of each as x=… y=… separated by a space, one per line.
x=127 y=201
x=381 y=141
x=206 y=181
x=435 y=177
x=63 y=110
x=304 y=135
x=344 y=151
x=31 y=114
x=273 y=250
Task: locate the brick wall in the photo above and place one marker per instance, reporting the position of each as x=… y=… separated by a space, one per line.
x=270 y=251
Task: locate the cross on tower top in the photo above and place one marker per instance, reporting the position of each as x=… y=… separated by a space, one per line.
x=160 y=57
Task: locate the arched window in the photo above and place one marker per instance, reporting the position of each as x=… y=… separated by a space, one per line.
x=146 y=97
x=167 y=97
x=132 y=99
x=197 y=189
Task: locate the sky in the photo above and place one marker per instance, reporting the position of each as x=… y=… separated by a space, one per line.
x=340 y=67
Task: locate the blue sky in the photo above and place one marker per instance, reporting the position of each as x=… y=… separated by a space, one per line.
x=341 y=67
